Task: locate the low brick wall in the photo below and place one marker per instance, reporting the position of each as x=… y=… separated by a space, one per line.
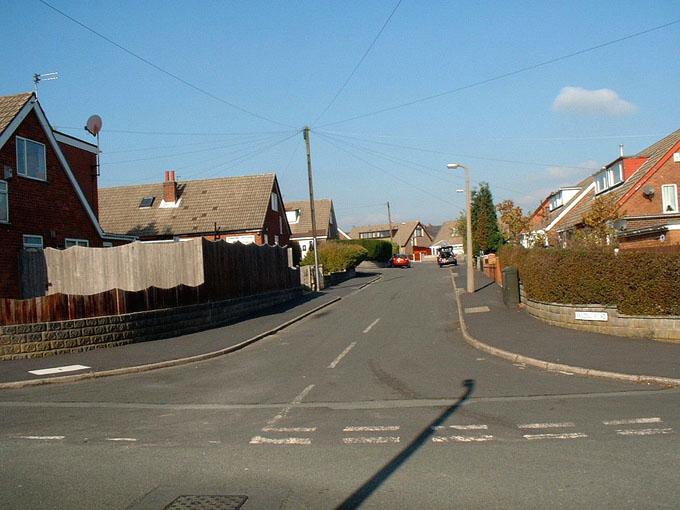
x=47 y=338
x=663 y=328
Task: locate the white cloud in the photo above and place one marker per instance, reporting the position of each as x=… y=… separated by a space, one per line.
x=569 y=175
x=592 y=102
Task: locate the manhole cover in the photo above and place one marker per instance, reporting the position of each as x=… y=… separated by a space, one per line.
x=205 y=502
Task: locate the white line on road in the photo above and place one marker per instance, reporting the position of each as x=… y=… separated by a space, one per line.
x=633 y=421
x=370 y=326
x=341 y=355
x=371 y=440
x=282 y=414
x=287 y=440
x=462 y=439
x=289 y=429
x=461 y=427
x=644 y=432
x=43 y=438
x=122 y=439
x=57 y=370
x=571 y=435
x=477 y=309
x=375 y=428
x=546 y=425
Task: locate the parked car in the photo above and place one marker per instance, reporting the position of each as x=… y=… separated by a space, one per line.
x=400 y=260
x=446 y=256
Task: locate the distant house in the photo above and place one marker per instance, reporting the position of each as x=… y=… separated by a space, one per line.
x=48 y=191
x=411 y=236
x=645 y=189
x=300 y=220
x=247 y=209
x=447 y=235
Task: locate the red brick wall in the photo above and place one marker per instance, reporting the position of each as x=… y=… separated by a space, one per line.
x=83 y=164
x=271 y=223
x=51 y=209
x=650 y=241
x=638 y=205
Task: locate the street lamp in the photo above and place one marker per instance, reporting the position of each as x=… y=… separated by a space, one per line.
x=468 y=214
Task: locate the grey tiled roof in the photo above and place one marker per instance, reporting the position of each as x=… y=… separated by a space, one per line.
x=446 y=233
x=234 y=203
x=404 y=231
x=10 y=106
x=303 y=228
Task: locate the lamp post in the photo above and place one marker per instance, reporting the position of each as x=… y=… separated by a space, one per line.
x=468 y=213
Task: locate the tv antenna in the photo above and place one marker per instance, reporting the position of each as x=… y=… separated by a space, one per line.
x=37 y=78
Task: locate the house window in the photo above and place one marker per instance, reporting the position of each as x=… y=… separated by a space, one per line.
x=293 y=216
x=669 y=195
x=418 y=232
x=556 y=201
x=276 y=240
x=76 y=242
x=615 y=174
x=609 y=177
x=107 y=244
x=32 y=242
x=31 y=159
x=4 y=203
x=304 y=247
x=601 y=181
x=266 y=239
x=275 y=202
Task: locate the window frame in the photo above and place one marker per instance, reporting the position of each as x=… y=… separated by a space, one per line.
x=664 y=203
x=76 y=242
x=5 y=192
x=32 y=246
x=25 y=158
x=275 y=201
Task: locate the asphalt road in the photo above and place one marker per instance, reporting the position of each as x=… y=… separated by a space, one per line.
x=358 y=404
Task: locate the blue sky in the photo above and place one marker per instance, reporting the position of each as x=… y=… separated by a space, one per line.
x=286 y=60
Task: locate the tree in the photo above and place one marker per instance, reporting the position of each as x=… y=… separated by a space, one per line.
x=599 y=222
x=513 y=221
x=461 y=228
x=486 y=236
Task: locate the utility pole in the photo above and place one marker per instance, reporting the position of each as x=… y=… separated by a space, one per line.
x=317 y=276
x=389 y=218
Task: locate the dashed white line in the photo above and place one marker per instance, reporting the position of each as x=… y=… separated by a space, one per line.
x=644 y=432
x=122 y=439
x=572 y=435
x=289 y=429
x=58 y=370
x=371 y=440
x=370 y=326
x=462 y=439
x=288 y=407
x=461 y=427
x=633 y=421
x=284 y=441
x=42 y=438
x=375 y=428
x=546 y=425
x=341 y=355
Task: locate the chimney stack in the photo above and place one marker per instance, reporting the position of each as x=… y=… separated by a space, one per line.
x=169 y=187
x=621 y=150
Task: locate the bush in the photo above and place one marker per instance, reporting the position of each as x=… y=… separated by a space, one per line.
x=637 y=283
x=378 y=250
x=336 y=257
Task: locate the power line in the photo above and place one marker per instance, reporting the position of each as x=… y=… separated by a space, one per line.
x=361 y=60
x=162 y=70
x=506 y=75
x=182 y=133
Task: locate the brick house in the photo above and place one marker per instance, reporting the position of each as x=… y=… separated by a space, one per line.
x=645 y=188
x=300 y=219
x=48 y=190
x=447 y=235
x=411 y=236
x=247 y=209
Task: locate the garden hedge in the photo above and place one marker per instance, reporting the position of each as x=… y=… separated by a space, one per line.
x=378 y=250
x=336 y=257
x=637 y=283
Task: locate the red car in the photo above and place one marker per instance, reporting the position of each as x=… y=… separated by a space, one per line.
x=400 y=260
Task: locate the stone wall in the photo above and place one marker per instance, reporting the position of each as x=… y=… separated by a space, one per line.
x=47 y=338
x=664 y=328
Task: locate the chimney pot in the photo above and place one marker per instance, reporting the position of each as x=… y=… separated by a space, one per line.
x=170 y=187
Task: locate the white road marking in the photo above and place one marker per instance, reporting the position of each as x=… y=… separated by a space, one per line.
x=43 y=438
x=477 y=309
x=571 y=435
x=462 y=439
x=546 y=425
x=371 y=440
x=58 y=370
x=124 y=439
x=633 y=421
x=289 y=429
x=288 y=407
x=644 y=432
x=341 y=355
x=287 y=440
x=215 y=442
x=370 y=326
x=376 y=428
x=461 y=427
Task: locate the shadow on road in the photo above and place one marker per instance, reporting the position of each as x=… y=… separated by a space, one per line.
x=371 y=485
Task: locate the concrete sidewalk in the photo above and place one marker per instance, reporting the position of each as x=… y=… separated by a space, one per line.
x=515 y=331
x=176 y=350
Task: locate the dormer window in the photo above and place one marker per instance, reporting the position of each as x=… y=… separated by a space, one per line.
x=556 y=201
x=293 y=216
x=146 y=202
x=609 y=177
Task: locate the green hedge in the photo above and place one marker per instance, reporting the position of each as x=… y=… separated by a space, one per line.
x=336 y=257
x=378 y=250
x=637 y=283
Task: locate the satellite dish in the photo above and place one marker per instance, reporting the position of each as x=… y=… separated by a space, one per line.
x=94 y=125
x=620 y=224
x=648 y=191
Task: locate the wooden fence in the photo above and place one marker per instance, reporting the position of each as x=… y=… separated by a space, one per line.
x=231 y=271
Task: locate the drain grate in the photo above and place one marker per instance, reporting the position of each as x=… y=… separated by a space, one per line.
x=206 y=502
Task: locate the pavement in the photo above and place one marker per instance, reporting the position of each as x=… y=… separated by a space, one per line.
x=522 y=338
x=173 y=351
